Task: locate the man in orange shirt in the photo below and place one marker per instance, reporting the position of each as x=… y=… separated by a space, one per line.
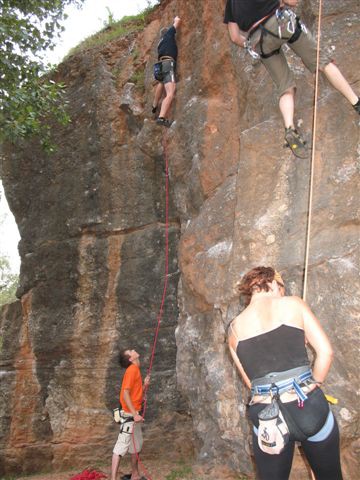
x=131 y=396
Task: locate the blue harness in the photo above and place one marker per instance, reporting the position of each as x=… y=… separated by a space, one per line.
x=276 y=383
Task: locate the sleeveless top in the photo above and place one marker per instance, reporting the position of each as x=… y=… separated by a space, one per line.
x=278 y=350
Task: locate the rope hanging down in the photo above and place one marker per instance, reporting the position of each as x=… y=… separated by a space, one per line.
x=311 y=181
x=162 y=304
x=161 y=309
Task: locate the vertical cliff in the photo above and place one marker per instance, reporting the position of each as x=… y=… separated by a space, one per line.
x=91 y=219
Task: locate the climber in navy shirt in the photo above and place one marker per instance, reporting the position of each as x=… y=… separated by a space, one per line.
x=167 y=55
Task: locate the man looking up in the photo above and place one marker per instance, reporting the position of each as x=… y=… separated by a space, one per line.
x=131 y=396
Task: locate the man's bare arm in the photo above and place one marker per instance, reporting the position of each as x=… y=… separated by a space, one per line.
x=235 y=34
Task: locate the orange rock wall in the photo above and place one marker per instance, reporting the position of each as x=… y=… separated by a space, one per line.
x=91 y=219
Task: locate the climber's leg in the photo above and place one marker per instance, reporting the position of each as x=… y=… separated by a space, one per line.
x=170 y=89
x=114 y=465
x=338 y=81
x=287 y=107
x=159 y=90
x=306 y=48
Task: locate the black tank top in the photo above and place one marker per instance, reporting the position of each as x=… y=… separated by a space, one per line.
x=280 y=349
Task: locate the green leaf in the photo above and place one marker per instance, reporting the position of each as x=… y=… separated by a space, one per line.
x=27 y=28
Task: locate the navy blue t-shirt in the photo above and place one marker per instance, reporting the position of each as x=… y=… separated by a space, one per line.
x=247 y=12
x=167 y=46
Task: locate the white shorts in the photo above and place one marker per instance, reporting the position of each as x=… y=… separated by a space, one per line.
x=130 y=439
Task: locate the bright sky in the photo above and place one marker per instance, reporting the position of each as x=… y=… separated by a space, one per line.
x=79 y=25
x=90 y=19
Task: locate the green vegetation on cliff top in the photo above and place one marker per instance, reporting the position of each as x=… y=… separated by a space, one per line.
x=115 y=29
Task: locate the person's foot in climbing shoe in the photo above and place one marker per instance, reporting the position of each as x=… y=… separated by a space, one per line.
x=163 y=122
x=154 y=109
x=295 y=142
x=357 y=106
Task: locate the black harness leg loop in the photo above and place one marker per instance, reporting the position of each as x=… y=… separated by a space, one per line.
x=264 y=32
x=297 y=33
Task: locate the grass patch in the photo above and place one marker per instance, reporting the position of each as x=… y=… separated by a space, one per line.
x=182 y=472
x=125 y=26
x=138 y=78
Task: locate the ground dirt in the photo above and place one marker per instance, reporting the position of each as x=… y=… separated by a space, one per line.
x=153 y=469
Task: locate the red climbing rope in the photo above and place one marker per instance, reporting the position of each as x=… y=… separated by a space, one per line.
x=89 y=475
x=163 y=298
x=161 y=309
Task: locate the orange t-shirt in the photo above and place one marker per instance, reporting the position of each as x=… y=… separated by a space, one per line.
x=132 y=381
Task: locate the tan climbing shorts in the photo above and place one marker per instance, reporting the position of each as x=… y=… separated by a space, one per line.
x=305 y=47
x=130 y=438
x=168 y=70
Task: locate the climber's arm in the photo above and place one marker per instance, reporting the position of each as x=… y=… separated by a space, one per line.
x=235 y=34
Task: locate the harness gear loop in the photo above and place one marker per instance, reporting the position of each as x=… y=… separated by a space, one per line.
x=276 y=383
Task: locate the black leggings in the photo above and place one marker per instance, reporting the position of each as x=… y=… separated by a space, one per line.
x=323 y=456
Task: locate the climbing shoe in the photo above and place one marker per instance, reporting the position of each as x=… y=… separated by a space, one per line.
x=295 y=142
x=154 y=109
x=163 y=121
x=357 y=106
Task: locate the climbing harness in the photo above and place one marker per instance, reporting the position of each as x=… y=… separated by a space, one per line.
x=275 y=418
x=248 y=44
x=126 y=421
x=287 y=21
x=286 y=381
x=163 y=68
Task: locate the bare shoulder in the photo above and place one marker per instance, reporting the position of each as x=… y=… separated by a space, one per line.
x=294 y=309
x=293 y=300
x=235 y=325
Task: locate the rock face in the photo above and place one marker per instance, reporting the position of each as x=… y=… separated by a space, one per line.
x=92 y=223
